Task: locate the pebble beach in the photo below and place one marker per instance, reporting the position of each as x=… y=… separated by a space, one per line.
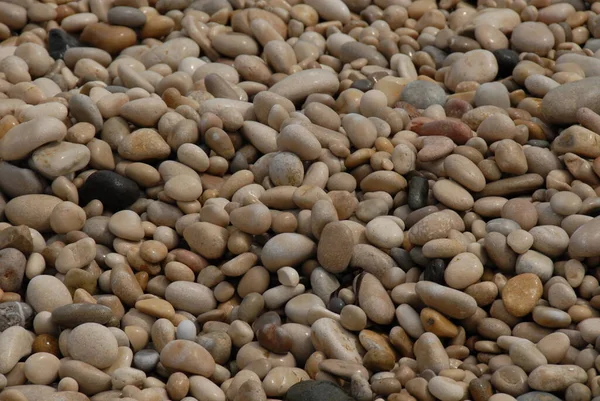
x=299 y=200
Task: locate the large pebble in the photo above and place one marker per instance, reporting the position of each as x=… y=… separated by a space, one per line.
x=556 y=377
x=15 y=343
x=191 y=297
x=299 y=85
x=33 y=211
x=28 y=136
x=476 y=65
x=187 y=356
x=560 y=105
x=94 y=344
x=113 y=190
x=329 y=337
x=46 y=293
x=287 y=249
x=449 y=301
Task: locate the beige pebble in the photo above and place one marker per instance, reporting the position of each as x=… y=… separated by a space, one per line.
x=126 y=224
x=94 y=344
x=463 y=270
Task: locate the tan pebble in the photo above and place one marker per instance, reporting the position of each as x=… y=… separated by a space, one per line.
x=430 y=353
x=155 y=307
x=520 y=241
x=449 y=301
x=384 y=233
x=76 y=255
x=521 y=293
x=183 y=188
x=67 y=217
x=112 y=39
x=94 y=344
x=186 y=295
x=463 y=270
x=187 y=356
x=26 y=137
x=353 y=318
x=556 y=377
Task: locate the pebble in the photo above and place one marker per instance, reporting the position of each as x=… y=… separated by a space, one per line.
x=534 y=37
x=449 y=301
x=187 y=356
x=314 y=390
x=113 y=190
x=333 y=340
x=476 y=65
x=521 y=293
x=445 y=389
x=556 y=377
x=59 y=42
x=94 y=344
x=112 y=39
x=15 y=314
x=46 y=293
x=224 y=200
x=146 y=360
x=560 y=105
x=15 y=343
x=423 y=94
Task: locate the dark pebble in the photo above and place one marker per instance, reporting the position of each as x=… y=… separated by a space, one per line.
x=73 y=315
x=362 y=85
x=418 y=191
x=480 y=389
x=402 y=258
x=335 y=305
x=15 y=314
x=274 y=338
x=312 y=390
x=113 y=190
x=266 y=318
x=437 y=55
x=507 y=60
x=59 y=42
x=435 y=271
x=416 y=255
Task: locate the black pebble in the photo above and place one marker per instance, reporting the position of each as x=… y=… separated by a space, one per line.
x=59 y=41
x=435 y=271
x=507 y=60
x=335 y=305
x=113 y=190
x=418 y=191
x=313 y=390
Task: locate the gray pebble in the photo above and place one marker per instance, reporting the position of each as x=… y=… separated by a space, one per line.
x=146 y=360
x=492 y=94
x=15 y=314
x=186 y=330
x=126 y=16
x=423 y=94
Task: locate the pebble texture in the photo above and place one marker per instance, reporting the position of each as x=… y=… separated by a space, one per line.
x=244 y=200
